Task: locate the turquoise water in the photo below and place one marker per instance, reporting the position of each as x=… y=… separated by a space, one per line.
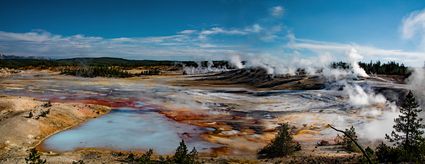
x=130 y=130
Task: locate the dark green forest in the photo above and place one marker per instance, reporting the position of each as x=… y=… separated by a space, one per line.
x=30 y=63
x=97 y=72
x=389 y=68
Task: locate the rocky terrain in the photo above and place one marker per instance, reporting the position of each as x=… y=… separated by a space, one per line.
x=24 y=122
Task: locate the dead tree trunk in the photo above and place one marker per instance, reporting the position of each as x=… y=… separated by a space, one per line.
x=355 y=142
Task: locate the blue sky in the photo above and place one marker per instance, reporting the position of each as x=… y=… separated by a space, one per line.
x=207 y=29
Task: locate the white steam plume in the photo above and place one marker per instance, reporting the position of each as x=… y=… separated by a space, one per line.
x=382 y=124
x=354 y=58
x=236 y=61
x=289 y=64
x=358 y=96
x=416 y=82
x=202 y=70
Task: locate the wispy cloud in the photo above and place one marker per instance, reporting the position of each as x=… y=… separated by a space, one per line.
x=178 y=47
x=218 y=30
x=413 y=24
x=413 y=28
x=413 y=58
x=277 y=11
x=187 y=32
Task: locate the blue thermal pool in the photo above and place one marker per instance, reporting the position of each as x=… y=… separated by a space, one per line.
x=129 y=130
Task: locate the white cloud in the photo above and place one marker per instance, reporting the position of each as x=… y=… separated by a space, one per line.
x=178 y=47
x=218 y=30
x=413 y=58
x=193 y=44
x=266 y=34
x=277 y=11
x=413 y=24
x=254 y=28
x=413 y=29
x=187 y=32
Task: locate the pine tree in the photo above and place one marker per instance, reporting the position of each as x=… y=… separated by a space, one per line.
x=183 y=157
x=408 y=134
x=282 y=145
x=181 y=152
x=347 y=143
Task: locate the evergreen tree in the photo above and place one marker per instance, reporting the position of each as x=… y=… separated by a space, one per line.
x=387 y=154
x=347 y=143
x=282 y=145
x=408 y=134
x=183 y=157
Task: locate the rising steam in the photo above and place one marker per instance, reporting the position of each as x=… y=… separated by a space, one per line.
x=199 y=69
x=235 y=60
x=358 y=96
x=354 y=58
x=416 y=83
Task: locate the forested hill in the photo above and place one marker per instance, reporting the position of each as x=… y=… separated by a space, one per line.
x=26 y=63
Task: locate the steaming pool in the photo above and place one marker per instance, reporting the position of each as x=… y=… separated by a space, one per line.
x=129 y=130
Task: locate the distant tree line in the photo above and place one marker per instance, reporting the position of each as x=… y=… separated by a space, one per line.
x=340 y=65
x=97 y=72
x=30 y=63
x=103 y=71
x=389 y=68
x=150 y=72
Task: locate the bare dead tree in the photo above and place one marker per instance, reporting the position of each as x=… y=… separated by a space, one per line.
x=355 y=142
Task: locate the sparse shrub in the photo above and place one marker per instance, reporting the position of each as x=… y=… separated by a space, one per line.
x=29 y=115
x=146 y=157
x=130 y=158
x=323 y=143
x=181 y=156
x=43 y=113
x=78 y=162
x=150 y=72
x=280 y=146
x=165 y=160
x=34 y=157
x=117 y=154
x=47 y=104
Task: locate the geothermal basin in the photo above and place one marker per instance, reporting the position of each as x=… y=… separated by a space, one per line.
x=153 y=113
